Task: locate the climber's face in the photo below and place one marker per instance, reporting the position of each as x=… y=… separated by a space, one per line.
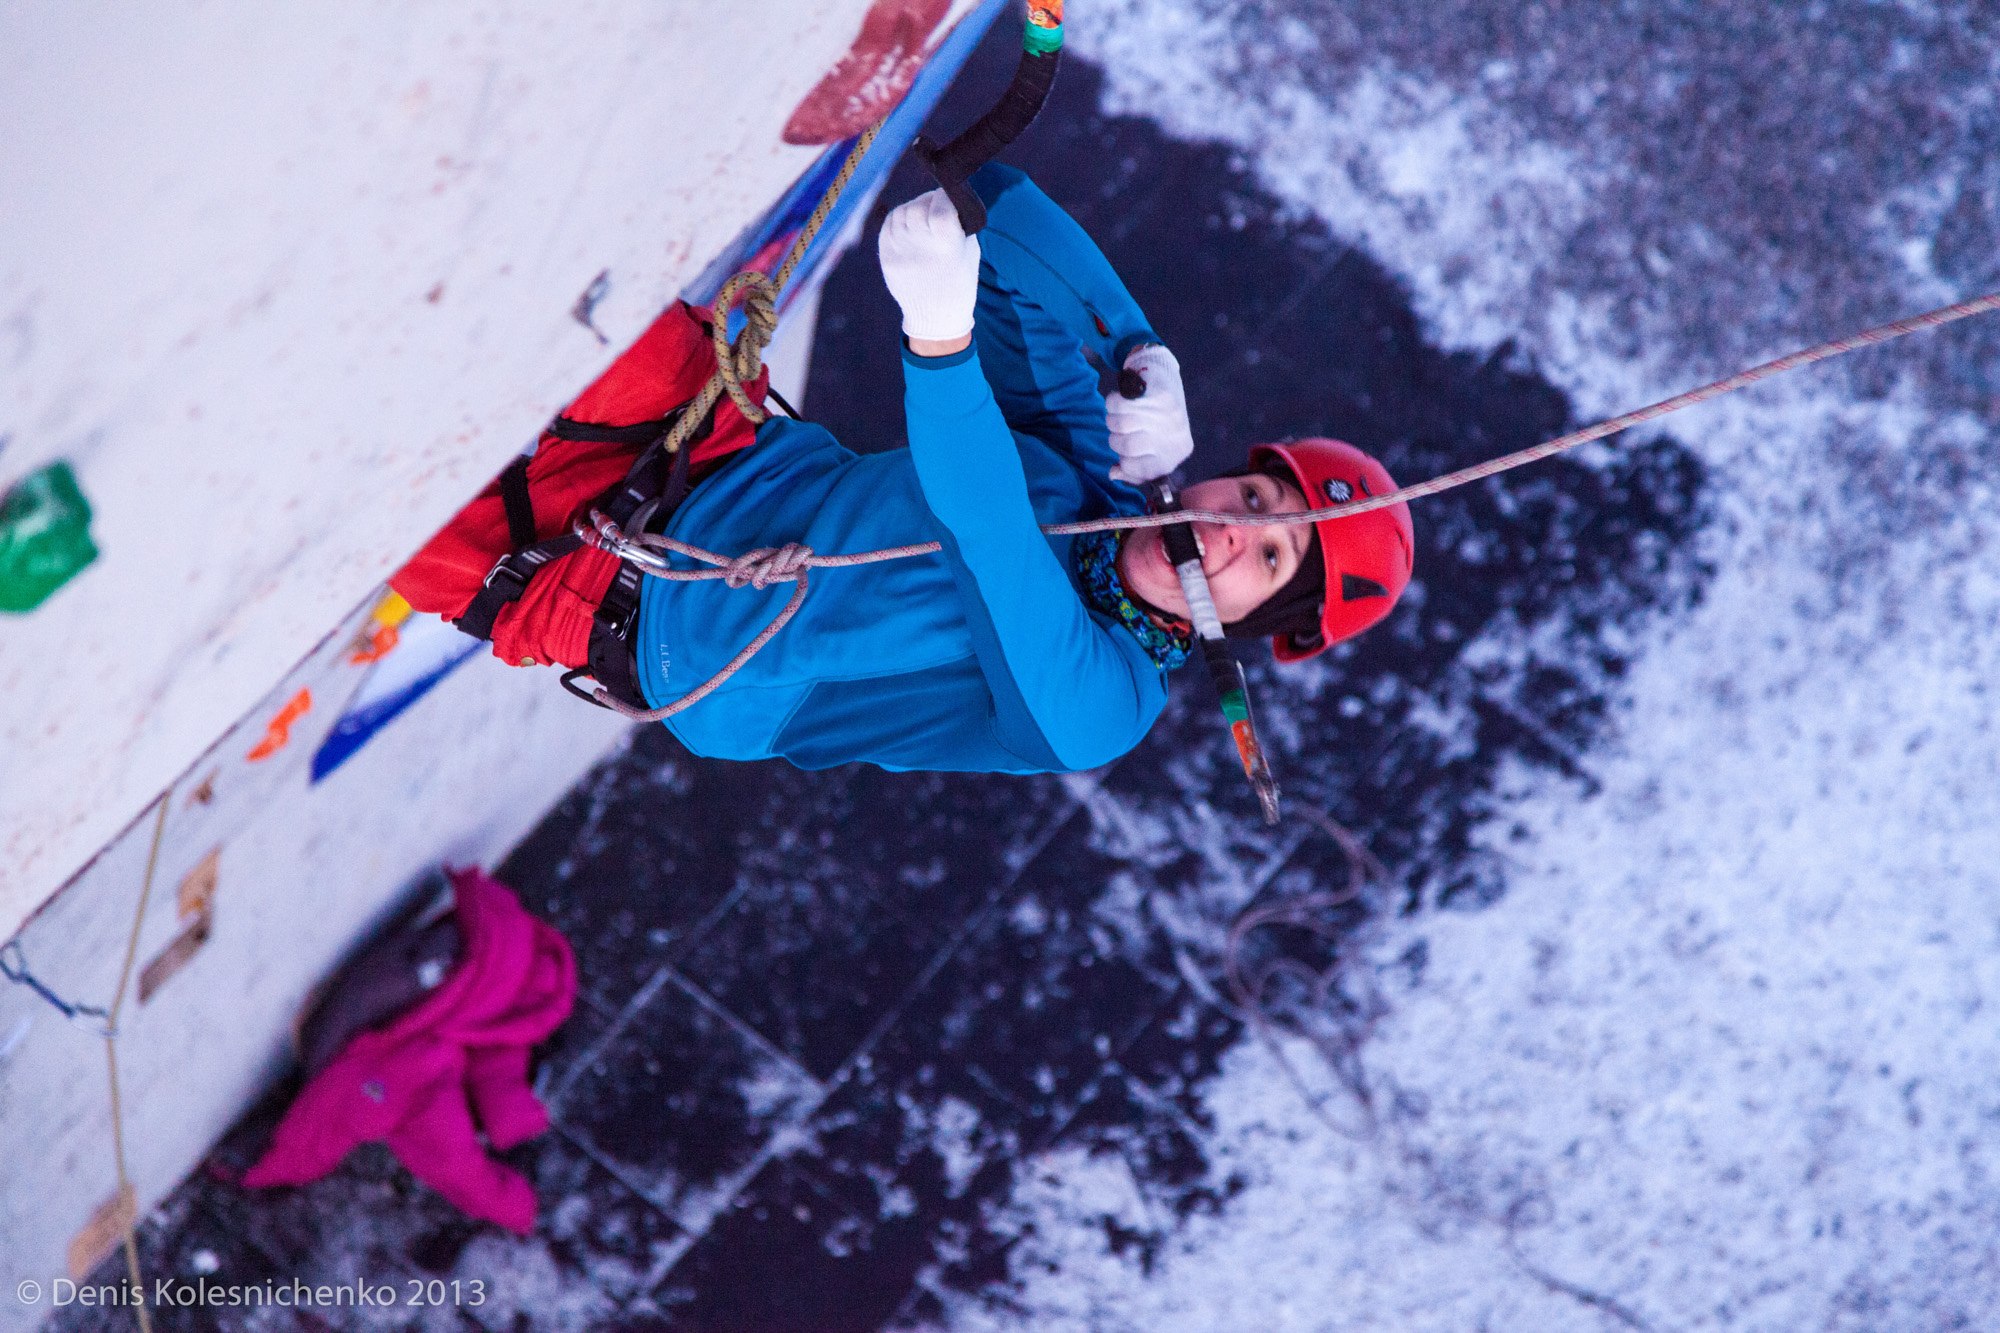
x=1245 y=566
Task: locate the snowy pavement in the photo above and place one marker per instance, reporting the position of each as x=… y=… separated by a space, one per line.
x=1670 y=1011
x=1719 y=1057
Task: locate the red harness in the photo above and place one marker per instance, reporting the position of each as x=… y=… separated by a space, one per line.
x=506 y=568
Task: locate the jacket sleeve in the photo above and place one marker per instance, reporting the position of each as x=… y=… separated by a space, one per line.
x=1051 y=308
x=1047 y=256
x=1069 y=693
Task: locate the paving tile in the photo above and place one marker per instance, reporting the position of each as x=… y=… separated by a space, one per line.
x=1031 y=1004
x=558 y=1059
x=644 y=852
x=945 y=1120
x=654 y=847
x=987 y=1059
x=679 y=1100
x=813 y=967
x=890 y=1189
x=597 y=1250
x=795 y=1256
x=1175 y=1052
x=845 y=911
x=1020 y=1022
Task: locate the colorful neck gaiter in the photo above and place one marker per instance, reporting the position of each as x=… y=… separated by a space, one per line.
x=1096 y=555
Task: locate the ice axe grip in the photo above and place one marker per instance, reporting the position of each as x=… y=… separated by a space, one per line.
x=954 y=163
x=1224 y=671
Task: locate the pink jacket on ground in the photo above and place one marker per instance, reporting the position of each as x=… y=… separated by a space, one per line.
x=417 y=1083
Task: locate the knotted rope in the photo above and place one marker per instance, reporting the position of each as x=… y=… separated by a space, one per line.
x=642 y=548
x=767 y=565
x=739 y=363
x=756 y=569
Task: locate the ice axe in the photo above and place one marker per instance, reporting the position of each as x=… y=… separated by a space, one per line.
x=954 y=163
x=1226 y=673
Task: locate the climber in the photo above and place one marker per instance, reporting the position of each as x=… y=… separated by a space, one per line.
x=1010 y=650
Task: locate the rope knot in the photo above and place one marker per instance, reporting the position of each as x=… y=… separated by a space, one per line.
x=742 y=362
x=767 y=565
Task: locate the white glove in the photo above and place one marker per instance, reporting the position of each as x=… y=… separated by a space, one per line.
x=931 y=267
x=1150 y=434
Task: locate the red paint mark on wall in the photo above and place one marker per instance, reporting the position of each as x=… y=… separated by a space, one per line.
x=874 y=74
x=279 y=732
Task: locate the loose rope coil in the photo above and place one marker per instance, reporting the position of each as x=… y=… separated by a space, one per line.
x=761 y=568
x=1313 y=989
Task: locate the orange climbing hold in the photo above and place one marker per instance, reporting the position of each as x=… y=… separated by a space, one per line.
x=384 y=630
x=279 y=733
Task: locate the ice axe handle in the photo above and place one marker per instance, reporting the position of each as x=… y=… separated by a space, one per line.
x=954 y=163
x=1178 y=538
x=1224 y=671
x=971 y=208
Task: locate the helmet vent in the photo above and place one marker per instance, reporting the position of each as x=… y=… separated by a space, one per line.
x=1353 y=588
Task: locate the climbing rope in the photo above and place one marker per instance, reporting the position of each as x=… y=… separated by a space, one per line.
x=740 y=362
x=1825 y=351
x=128 y=1197
x=1312 y=990
x=764 y=566
x=757 y=569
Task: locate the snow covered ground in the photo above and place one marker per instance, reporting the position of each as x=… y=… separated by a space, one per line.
x=1720 y=1055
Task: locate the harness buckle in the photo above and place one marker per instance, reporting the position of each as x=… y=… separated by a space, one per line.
x=505 y=579
x=569 y=679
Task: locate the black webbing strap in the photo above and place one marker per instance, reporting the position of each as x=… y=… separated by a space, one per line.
x=520 y=505
x=674 y=489
x=642 y=484
x=610 y=653
x=508 y=580
x=644 y=433
x=641 y=433
x=610 y=650
x=1017 y=108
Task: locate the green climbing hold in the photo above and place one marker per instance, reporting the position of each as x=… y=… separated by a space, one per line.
x=44 y=537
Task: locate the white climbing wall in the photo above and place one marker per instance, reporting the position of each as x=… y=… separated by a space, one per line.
x=262 y=883
x=285 y=284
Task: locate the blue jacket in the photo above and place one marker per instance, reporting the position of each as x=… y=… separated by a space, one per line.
x=983 y=657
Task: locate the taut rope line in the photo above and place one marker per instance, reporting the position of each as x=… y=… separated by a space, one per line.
x=127 y=1196
x=761 y=567
x=1825 y=351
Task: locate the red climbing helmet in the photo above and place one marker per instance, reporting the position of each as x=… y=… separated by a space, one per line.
x=1368 y=558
